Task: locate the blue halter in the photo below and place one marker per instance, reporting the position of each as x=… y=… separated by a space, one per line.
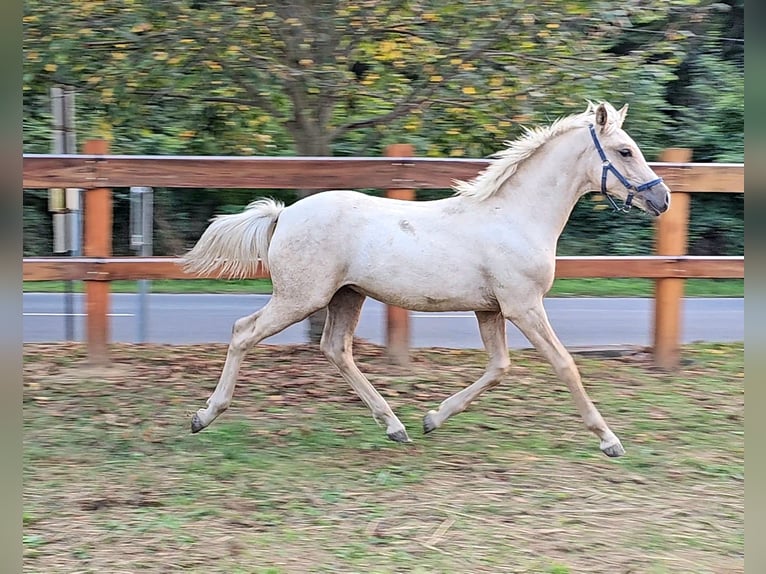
x=607 y=167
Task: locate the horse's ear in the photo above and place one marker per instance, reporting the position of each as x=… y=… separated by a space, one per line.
x=602 y=117
x=623 y=111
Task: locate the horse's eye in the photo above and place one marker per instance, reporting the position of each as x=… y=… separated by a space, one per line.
x=626 y=152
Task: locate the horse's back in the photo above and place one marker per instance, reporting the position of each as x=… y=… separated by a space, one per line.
x=412 y=254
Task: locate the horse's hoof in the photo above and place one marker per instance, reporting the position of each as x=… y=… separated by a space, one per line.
x=613 y=450
x=429 y=425
x=399 y=436
x=196 y=424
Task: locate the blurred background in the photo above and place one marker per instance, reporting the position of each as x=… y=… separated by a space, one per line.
x=348 y=78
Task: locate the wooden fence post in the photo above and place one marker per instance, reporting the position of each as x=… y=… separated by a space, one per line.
x=398 y=319
x=672 y=231
x=98 y=243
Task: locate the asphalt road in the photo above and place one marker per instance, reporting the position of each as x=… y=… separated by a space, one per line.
x=579 y=322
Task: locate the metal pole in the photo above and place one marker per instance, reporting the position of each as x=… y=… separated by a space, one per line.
x=61 y=110
x=69 y=141
x=146 y=211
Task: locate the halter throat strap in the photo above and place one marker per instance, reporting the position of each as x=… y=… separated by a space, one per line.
x=607 y=167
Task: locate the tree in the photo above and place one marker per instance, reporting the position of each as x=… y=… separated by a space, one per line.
x=316 y=70
x=347 y=76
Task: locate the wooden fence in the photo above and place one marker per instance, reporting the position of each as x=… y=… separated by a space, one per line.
x=399 y=174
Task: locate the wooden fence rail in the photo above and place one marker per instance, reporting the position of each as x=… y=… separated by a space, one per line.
x=88 y=171
x=398 y=173
x=107 y=269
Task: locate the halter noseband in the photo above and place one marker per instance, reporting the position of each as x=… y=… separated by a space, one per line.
x=607 y=167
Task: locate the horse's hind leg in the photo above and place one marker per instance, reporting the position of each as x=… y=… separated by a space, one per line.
x=534 y=324
x=492 y=330
x=276 y=316
x=337 y=338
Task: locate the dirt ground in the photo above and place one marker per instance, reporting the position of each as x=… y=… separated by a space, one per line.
x=296 y=477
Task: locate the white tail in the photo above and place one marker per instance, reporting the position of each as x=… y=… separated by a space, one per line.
x=233 y=244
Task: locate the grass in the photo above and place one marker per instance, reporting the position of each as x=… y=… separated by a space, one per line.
x=296 y=477
x=561 y=288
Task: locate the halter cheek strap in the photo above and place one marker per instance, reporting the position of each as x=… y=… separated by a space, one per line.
x=607 y=166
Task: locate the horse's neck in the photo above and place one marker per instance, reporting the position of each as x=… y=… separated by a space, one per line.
x=546 y=186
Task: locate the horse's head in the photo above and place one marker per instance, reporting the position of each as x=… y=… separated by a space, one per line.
x=619 y=167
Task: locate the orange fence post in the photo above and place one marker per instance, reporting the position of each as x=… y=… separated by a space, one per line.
x=98 y=243
x=398 y=319
x=672 y=236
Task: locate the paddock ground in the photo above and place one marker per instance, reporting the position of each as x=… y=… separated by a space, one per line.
x=296 y=477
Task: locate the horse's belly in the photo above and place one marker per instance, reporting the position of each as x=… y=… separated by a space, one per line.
x=424 y=298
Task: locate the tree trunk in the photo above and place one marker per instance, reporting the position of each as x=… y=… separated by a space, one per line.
x=310 y=143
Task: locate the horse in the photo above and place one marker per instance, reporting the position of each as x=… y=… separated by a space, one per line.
x=489 y=248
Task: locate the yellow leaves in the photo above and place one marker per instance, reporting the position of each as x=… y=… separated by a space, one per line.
x=141 y=27
x=430 y=17
x=436 y=78
x=457 y=152
x=160 y=56
x=456 y=61
x=93 y=80
x=388 y=50
x=33 y=56
x=268 y=15
x=552 y=25
x=370 y=79
x=527 y=45
x=213 y=65
x=496 y=81
x=104 y=130
x=469 y=90
x=186 y=41
x=186 y=134
x=413 y=125
x=306 y=62
x=527 y=19
x=51 y=67
x=107 y=94
x=119 y=56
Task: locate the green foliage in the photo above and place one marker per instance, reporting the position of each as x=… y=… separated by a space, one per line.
x=349 y=77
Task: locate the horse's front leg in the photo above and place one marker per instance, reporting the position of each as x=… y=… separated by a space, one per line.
x=533 y=322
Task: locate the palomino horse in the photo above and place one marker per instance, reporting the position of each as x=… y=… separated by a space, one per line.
x=489 y=249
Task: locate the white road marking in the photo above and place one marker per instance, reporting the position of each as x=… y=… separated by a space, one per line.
x=74 y=314
x=441 y=316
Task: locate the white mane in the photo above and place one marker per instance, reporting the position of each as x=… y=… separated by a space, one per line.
x=507 y=161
